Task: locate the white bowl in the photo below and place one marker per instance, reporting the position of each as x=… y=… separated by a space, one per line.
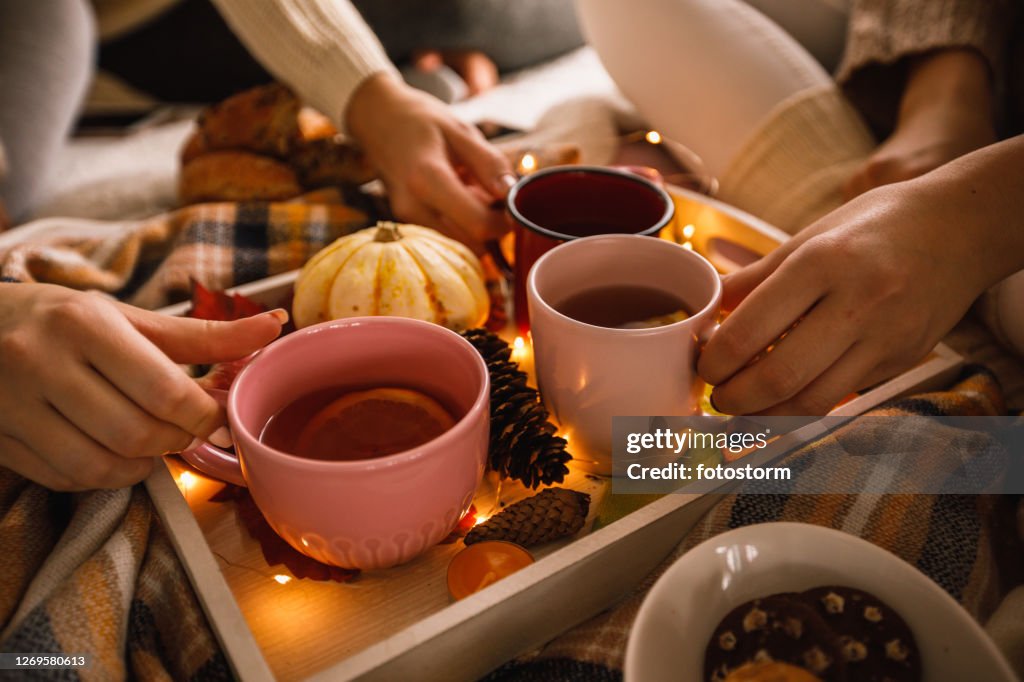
x=681 y=611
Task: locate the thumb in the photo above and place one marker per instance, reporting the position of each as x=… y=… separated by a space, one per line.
x=187 y=340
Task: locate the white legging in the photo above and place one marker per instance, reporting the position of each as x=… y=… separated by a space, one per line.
x=707 y=72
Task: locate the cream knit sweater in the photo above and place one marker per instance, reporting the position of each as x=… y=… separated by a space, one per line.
x=882 y=34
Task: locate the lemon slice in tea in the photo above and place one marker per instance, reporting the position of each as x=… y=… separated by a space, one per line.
x=372 y=423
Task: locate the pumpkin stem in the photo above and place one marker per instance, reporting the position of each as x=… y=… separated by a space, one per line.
x=387 y=232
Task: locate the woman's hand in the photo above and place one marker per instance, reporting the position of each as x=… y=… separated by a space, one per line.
x=89 y=390
x=945 y=112
x=859 y=296
x=438 y=170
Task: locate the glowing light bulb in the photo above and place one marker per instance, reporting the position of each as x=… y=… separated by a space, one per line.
x=653 y=136
x=283 y=579
x=187 y=480
x=688 y=231
x=527 y=163
x=519 y=351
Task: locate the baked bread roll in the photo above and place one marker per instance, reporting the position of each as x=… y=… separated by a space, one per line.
x=236 y=176
x=262 y=119
x=329 y=161
x=315 y=126
x=194 y=147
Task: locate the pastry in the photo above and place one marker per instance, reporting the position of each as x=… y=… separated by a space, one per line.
x=315 y=126
x=772 y=671
x=195 y=146
x=779 y=628
x=236 y=176
x=262 y=119
x=329 y=161
x=876 y=643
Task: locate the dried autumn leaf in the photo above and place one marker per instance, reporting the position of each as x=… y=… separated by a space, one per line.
x=222 y=374
x=218 y=305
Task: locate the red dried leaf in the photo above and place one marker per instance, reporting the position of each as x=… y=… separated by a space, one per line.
x=276 y=550
x=217 y=305
x=228 y=493
x=222 y=374
x=464 y=525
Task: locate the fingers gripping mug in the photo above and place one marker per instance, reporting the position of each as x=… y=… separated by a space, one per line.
x=587 y=372
x=363 y=513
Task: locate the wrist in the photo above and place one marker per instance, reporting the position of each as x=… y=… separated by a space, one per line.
x=974 y=206
x=375 y=95
x=952 y=78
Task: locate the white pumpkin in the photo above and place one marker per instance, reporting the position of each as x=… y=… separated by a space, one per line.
x=393 y=269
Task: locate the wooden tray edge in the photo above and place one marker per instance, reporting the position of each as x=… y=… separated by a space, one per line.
x=222 y=610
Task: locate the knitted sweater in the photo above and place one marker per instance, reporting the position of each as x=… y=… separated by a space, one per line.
x=884 y=34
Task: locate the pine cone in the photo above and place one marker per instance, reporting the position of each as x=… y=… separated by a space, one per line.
x=550 y=514
x=523 y=442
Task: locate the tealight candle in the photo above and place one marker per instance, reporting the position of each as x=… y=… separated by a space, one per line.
x=483 y=564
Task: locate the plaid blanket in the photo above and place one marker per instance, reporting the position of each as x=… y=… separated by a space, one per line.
x=94 y=573
x=150 y=263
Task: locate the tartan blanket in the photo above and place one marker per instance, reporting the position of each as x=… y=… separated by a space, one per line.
x=151 y=263
x=95 y=572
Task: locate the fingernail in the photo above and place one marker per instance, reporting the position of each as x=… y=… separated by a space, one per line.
x=221 y=437
x=196 y=442
x=505 y=182
x=280 y=313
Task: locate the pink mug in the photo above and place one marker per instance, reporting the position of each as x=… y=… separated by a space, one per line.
x=370 y=513
x=588 y=374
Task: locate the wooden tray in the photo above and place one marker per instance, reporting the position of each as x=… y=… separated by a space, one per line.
x=399 y=623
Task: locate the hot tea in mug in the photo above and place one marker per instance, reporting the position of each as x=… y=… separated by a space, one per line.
x=342 y=424
x=624 y=306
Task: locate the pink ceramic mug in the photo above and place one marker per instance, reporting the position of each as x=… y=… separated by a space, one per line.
x=588 y=374
x=369 y=513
